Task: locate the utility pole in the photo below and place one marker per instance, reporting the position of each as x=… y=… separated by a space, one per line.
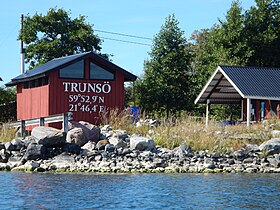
x=22 y=50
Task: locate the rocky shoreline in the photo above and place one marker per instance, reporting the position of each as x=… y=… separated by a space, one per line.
x=86 y=148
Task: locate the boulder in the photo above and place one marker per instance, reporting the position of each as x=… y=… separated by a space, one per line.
x=271 y=146
x=18 y=144
x=76 y=136
x=71 y=148
x=91 y=132
x=35 y=151
x=183 y=150
x=141 y=143
x=47 y=136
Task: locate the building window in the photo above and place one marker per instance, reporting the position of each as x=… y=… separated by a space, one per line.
x=36 y=83
x=98 y=73
x=74 y=71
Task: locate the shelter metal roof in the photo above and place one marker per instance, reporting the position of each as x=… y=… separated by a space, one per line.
x=229 y=84
x=43 y=69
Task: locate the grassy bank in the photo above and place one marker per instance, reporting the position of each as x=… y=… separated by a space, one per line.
x=170 y=133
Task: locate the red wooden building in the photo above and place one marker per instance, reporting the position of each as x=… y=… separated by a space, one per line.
x=85 y=84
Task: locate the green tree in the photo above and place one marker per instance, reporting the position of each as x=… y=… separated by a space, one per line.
x=7 y=104
x=55 y=35
x=263 y=33
x=223 y=44
x=167 y=83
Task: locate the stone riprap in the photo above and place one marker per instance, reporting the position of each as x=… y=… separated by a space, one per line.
x=90 y=149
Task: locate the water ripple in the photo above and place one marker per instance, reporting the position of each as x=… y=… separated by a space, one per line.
x=139 y=191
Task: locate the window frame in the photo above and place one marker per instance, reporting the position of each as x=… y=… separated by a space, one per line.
x=84 y=71
x=100 y=66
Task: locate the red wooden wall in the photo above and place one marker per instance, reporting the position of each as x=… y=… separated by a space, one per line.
x=32 y=102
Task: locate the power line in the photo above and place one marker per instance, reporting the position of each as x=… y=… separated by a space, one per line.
x=128 y=35
x=119 y=40
x=8 y=36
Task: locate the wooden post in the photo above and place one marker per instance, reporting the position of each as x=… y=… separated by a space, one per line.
x=65 y=122
x=42 y=121
x=207 y=112
x=248 y=112
x=242 y=110
x=22 y=128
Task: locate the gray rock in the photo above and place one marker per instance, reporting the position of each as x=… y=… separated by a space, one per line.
x=47 y=136
x=91 y=132
x=274 y=161
x=4 y=155
x=35 y=151
x=183 y=150
x=251 y=170
x=9 y=146
x=120 y=134
x=126 y=151
x=109 y=148
x=62 y=161
x=71 y=148
x=76 y=136
x=141 y=143
x=18 y=144
x=117 y=142
x=31 y=165
x=28 y=140
x=248 y=160
x=252 y=148
x=106 y=128
x=90 y=146
x=271 y=146
x=239 y=154
x=209 y=165
x=98 y=158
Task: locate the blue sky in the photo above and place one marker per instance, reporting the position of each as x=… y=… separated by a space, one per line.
x=140 y=18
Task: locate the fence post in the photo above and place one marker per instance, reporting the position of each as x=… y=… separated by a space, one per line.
x=42 y=121
x=65 y=122
x=22 y=128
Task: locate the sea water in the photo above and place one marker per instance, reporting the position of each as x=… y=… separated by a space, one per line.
x=139 y=191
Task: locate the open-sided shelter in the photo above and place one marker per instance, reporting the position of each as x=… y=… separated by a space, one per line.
x=256 y=88
x=85 y=84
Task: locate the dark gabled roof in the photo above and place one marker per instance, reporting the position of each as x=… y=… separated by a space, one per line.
x=45 y=68
x=229 y=84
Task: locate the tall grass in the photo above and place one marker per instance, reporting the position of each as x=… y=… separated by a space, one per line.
x=7 y=133
x=170 y=133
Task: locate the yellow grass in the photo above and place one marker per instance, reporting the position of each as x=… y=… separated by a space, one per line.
x=171 y=133
x=6 y=133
